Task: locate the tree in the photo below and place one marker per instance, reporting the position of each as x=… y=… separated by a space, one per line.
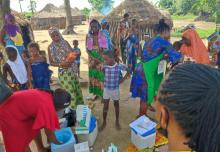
x=4 y=8
x=69 y=22
x=86 y=11
x=32 y=6
x=101 y=5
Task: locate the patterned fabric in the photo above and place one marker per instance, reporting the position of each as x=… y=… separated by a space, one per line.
x=67 y=77
x=132 y=51
x=112 y=75
x=77 y=50
x=40 y=75
x=108 y=37
x=96 y=76
x=158 y=45
x=139 y=84
x=145 y=75
x=70 y=82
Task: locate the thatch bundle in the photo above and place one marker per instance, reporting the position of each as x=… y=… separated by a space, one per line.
x=143 y=11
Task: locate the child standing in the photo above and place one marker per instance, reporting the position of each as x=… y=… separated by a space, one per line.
x=77 y=50
x=112 y=72
x=39 y=69
x=16 y=69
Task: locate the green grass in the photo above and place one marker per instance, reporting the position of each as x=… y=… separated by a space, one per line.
x=203 y=33
x=186 y=17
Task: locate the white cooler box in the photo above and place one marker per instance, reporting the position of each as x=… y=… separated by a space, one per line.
x=143 y=142
x=91 y=138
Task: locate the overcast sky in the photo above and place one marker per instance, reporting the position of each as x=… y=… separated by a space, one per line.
x=41 y=3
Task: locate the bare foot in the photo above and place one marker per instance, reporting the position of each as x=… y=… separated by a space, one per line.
x=118 y=126
x=102 y=126
x=95 y=98
x=151 y=108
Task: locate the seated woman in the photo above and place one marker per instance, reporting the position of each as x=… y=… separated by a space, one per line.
x=39 y=69
x=16 y=69
x=188 y=108
x=31 y=111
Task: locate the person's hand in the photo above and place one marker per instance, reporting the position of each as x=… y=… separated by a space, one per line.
x=166 y=56
x=65 y=65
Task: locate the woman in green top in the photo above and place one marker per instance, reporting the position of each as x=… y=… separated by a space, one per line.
x=96 y=44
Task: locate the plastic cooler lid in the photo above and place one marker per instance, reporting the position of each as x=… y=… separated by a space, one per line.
x=143 y=126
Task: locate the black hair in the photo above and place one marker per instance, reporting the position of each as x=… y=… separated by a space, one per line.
x=126 y=15
x=34 y=45
x=11 y=50
x=192 y=93
x=110 y=54
x=74 y=41
x=161 y=27
x=26 y=53
x=177 y=45
x=61 y=98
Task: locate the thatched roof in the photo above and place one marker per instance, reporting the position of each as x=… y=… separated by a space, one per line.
x=142 y=10
x=51 y=11
x=94 y=14
x=20 y=19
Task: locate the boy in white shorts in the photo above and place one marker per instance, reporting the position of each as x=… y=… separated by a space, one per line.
x=112 y=72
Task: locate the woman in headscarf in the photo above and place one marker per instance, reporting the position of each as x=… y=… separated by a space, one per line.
x=11 y=34
x=96 y=44
x=194 y=47
x=59 y=52
x=146 y=80
x=105 y=30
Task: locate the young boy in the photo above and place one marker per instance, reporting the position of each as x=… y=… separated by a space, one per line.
x=78 y=51
x=16 y=69
x=112 y=72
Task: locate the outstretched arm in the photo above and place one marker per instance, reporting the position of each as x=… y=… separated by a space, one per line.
x=51 y=137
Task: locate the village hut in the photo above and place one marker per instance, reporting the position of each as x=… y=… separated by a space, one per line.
x=142 y=10
x=25 y=25
x=51 y=15
x=94 y=14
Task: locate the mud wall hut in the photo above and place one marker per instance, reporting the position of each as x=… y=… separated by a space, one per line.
x=51 y=15
x=142 y=10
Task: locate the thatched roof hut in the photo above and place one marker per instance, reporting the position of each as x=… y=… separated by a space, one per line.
x=94 y=14
x=51 y=15
x=142 y=10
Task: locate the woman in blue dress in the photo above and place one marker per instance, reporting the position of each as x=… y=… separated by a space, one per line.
x=105 y=31
x=132 y=46
x=146 y=80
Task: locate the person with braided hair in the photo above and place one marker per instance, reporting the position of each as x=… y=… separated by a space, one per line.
x=188 y=108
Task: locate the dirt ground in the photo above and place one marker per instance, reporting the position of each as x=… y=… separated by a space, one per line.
x=128 y=107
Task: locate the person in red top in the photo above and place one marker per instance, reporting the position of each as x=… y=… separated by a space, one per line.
x=24 y=113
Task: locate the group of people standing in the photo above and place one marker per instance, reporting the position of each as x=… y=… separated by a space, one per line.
x=183 y=102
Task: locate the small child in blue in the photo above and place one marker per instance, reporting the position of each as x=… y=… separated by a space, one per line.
x=77 y=50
